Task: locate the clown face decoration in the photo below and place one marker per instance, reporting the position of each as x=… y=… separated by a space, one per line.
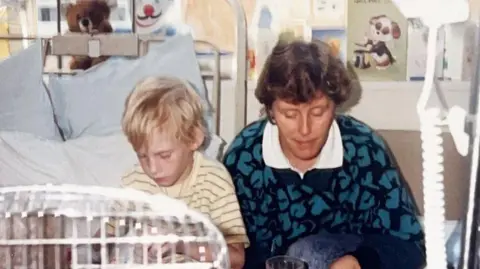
x=151 y=16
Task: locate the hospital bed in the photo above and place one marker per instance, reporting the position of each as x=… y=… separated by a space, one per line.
x=66 y=129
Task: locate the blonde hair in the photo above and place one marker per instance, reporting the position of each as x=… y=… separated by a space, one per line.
x=164 y=104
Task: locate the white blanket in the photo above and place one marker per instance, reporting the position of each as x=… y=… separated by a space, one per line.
x=26 y=159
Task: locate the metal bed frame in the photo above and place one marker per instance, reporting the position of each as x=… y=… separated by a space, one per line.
x=134 y=45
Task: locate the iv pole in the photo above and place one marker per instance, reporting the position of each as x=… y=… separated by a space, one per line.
x=470 y=227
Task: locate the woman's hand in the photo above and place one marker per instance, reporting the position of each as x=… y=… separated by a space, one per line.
x=346 y=262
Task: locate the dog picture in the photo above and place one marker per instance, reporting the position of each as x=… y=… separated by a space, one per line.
x=374 y=48
x=88 y=17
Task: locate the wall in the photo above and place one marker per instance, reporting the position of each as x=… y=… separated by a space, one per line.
x=406 y=146
x=382 y=105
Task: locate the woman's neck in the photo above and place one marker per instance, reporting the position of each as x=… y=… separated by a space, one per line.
x=300 y=165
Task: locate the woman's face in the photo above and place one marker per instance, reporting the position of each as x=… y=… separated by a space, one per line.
x=303 y=128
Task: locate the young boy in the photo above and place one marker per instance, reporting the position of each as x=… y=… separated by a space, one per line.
x=163 y=120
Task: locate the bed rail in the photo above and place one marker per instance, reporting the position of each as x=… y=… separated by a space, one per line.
x=240 y=72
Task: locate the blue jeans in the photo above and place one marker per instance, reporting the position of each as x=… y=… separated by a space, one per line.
x=320 y=250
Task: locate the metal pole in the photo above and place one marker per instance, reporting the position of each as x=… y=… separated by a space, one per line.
x=134 y=8
x=59 y=29
x=470 y=226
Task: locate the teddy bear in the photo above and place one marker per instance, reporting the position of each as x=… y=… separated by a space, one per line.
x=89 y=17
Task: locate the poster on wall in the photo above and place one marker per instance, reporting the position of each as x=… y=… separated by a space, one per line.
x=214 y=20
x=377 y=40
x=158 y=17
x=335 y=38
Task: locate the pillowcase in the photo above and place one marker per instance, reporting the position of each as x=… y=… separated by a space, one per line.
x=92 y=102
x=25 y=105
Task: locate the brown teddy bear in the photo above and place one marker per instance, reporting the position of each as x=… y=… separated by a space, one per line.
x=89 y=17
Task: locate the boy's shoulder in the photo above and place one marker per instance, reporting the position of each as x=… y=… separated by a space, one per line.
x=213 y=173
x=208 y=165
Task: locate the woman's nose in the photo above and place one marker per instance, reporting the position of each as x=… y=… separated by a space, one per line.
x=305 y=126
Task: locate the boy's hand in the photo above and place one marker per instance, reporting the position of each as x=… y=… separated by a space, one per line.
x=165 y=250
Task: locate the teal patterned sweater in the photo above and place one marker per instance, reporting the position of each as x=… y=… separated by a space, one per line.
x=366 y=197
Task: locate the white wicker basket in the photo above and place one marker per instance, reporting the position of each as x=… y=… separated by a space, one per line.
x=59 y=227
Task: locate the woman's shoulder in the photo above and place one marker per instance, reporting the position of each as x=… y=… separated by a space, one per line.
x=359 y=133
x=251 y=135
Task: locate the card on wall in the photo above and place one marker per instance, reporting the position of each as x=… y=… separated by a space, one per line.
x=264 y=32
x=335 y=38
x=377 y=40
x=417 y=51
x=329 y=13
x=460 y=41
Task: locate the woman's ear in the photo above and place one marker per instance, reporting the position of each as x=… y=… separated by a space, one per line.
x=198 y=139
x=270 y=116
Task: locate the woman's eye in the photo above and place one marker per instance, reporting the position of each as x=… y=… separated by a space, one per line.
x=290 y=114
x=317 y=112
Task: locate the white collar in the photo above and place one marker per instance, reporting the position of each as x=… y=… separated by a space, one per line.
x=331 y=155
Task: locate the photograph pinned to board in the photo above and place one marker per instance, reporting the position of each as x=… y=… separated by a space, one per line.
x=331 y=12
x=336 y=38
x=377 y=40
x=460 y=46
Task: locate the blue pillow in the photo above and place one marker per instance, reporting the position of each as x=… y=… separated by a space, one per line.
x=25 y=105
x=92 y=102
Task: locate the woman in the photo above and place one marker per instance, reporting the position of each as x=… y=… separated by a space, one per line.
x=316 y=185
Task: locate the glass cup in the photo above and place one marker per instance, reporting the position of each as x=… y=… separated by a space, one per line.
x=285 y=262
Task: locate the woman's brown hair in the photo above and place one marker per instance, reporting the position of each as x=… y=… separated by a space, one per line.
x=296 y=71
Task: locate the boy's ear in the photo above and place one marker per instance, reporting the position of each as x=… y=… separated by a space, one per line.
x=198 y=139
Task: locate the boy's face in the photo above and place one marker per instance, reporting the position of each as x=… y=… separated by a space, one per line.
x=166 y=160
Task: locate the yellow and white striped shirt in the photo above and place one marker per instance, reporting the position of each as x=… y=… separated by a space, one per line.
x=208 y=189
